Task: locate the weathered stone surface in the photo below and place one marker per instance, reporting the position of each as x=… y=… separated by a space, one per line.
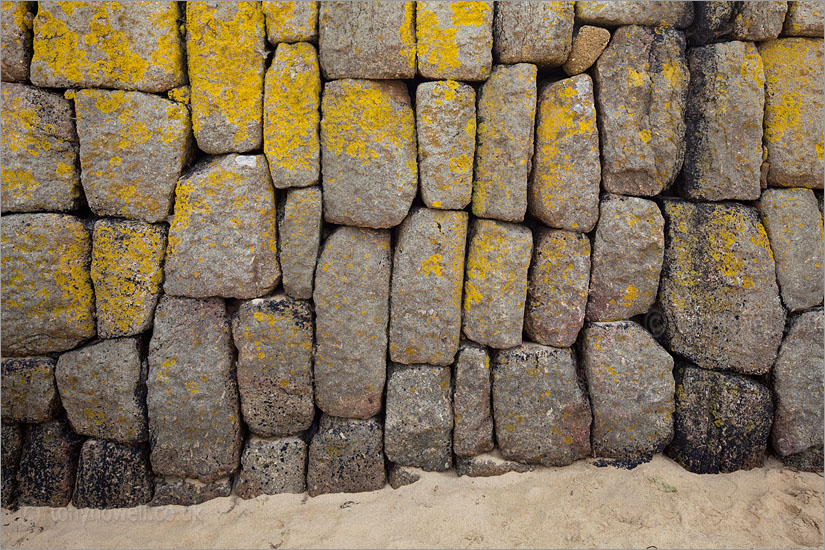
x=533 y=32
x=725 y=105
x=630 y=381
x=367 y=152
x=273 y=337
x=367 y=39
x=29 y=390
x=757 y=21
x=506 y=113
x=272 y=466
x=127 y=272
x=39 y=145
x=223 y=238
x=352 y=291
x=629 y=227
x=445 y=118
x=542 y=414
x=48 y=301
x=11 y=448
x=399 y=476
x=588 y=45
x=291 y=21
x=557 y=286
x=102 y=389
x=184 y=491
x=346 y=456
x=564 y=183
x=677 y=14
x=225 y=50
x=806 y=461
x=794 y=111
x=48 y=464
x=133 y=147
x=192 y=395
x=495 y=284
x=722 y=421
x=794 y=225
x=427 y=279
x=300 y=217
x=804 y=19
x=642 y=78
x=718 y=291
x=711 y=21
x=292 y=95
x=17 y=19
x=419 y=418
x=488 y=465
x=472 y=412
x=111 y=475
x=455 y=40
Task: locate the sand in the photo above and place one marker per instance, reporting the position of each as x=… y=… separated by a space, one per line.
x=656 y=505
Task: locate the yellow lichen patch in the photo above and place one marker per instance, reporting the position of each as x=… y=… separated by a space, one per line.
x=440 y=53
x=181 y=94
x=408 y=40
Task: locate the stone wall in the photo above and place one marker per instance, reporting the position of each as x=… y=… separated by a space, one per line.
x=267 y=247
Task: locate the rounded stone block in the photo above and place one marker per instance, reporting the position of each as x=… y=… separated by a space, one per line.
x=271 y=467
x=111 y=475
x=29 y=390
x=455 y=39
x=48 y=465
x=677 y=14
x=533 y=32
x=291 y=21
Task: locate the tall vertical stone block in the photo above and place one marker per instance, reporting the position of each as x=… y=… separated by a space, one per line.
x=17 y=19
x=291 y=21
x=300 y=217
x=10 y=450
x=472 y=408
x=455 y=39
x=533 y=32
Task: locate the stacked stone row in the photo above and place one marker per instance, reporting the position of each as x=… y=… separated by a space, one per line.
x=421 y=234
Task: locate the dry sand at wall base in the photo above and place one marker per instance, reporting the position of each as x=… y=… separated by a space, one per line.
x=657 y=504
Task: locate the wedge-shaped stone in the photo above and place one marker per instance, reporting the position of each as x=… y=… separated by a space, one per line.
x=184 y=491
x=677 y=14
x=48 y=465
x=804 y=19
x=300 y=217
x=291 y=21
x=455 y=39
x=271 y=467
x=488 y=465
x=758 y=21
x=588 y=44
x=17 y=19
x=533 y=32
x=112 y=475
x=472 y=411
x=29 y=390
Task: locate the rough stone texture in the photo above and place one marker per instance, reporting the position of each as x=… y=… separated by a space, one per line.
x=642 y=78
x=367 y=39
x=445 y=118
x=419 y=417
x=723 y=117
x=39 y=145
x=804 y=19
x=677 y=14
x=757 y=21
x=291 y=21
x=111 y=475
x=399 y=476
x=102 y=387
x=794 y=111
x=722 y=421
x=557 y=286
x=223 y=238
x=427 y=279
x=488 y=465
x=455 y=39
x=292 y=95
x=127 y=272
x=11 y=448
x=630 y=381
x=226 y=54
x=718 y=292
x=271 y=467
x=346 y=456
x=29 y=390
x=542 y=414
x=629 y=227
x=17 y=19
x=133 y=147
x=472 y=414
x=108 y=45
x=184 y=491
x=588 y=45
x=495 y=284
x=806 y=461
x=48 y=464
x=48 y=301
x=711 y=21
x=368 y=152
x=192 y=397
x=794 y=225
x=273 y=337
x=506 y=113
x=300 y=217
x=352 y=291
x=533 y=32
x=563 y=191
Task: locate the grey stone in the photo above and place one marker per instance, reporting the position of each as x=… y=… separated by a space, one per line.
x=300 y=218
x=804 y=19
x=454 y=40
x=111 y=475
x=368 y=152
x=712 y=20
x=419 y=418
x=794 y=225
x=506 y=113
x=182 y=491
x=533 y=32
x=488 y=465
x=758 y=21
x=272 y=466
x=39 y=145
x=48 y=464
x=192 y=395
x=427 y=279
x=588 y=44
x=273 y=337
x=677 y=14
x=346 y=456
x=541 y=412
x=17 y=19
x=472 y=410
x=642 y=78
x=352 y=292
x=11 y=448
x=399 y=476
x=718 y=294
x=291 y=21
x=102 y=387
x=223 y=238
x=810 y=460
x=29 y=390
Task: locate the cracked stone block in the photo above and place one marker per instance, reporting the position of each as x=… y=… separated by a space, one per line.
x=271 y=467
x=291 y=21
x=300 y=218
x=29 y=390
x=112 y=475
x=48 y=465
x=613 y=13
x=11 y=448
x=184 y=491
x=489 y=465
x=533 y=32
x=17 y=20
x=804 y=19
x=758 y=21
x=472 y=410
x=588 y=44
x=455 y=39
